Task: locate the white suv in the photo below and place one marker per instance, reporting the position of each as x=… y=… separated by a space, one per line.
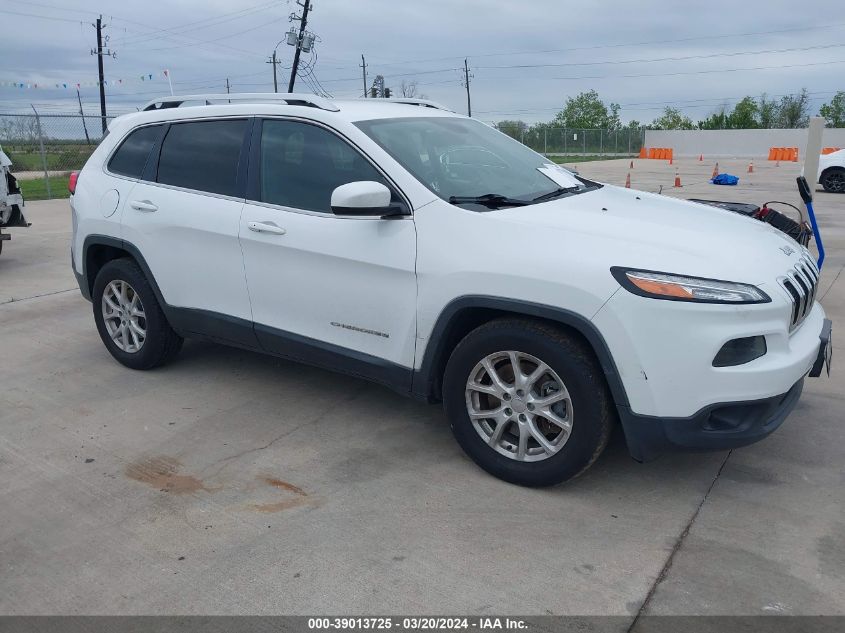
x=405 y=244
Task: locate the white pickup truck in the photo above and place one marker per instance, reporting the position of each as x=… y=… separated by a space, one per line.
x=11 y=200
x=832 y=171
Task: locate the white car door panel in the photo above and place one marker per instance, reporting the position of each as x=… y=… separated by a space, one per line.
x=188 y=237
x=346 y=285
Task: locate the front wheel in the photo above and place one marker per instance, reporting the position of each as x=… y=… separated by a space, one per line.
x=527 y=402
x=833 y=180
x=129 y=318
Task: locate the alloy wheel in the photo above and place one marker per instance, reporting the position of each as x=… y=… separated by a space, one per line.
x=124 y=317
x=519 y=406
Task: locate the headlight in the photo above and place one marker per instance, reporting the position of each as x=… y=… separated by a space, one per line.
x=648 y=283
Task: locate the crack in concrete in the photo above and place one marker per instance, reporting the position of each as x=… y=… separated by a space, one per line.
x=224 y=461
x=667 y=566
x=832 y=283
x=46 y=294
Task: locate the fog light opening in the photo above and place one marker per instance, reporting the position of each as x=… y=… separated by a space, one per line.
x=740 y=351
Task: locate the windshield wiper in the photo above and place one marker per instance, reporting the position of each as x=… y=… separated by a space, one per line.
x=555 y=194
x=491 y=200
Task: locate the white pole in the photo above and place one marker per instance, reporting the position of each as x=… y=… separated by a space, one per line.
x=170 y=82
x=813 y=150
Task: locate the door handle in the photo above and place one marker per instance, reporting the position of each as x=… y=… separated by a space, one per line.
x=143 y=205
x=265 y=227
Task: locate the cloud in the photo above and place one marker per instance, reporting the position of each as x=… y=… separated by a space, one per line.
x=204 y=42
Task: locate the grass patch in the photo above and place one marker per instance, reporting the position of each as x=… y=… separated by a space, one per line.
x=37 y=189
x=64 y=157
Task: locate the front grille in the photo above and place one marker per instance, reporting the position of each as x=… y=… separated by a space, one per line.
x=801 y=284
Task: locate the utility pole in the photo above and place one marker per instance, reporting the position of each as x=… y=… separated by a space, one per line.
x=364 y=68
x=275 y=63
x=227 y=85
x=99 y=53
x=302 y=22
x=466 y=84
x=84 y=127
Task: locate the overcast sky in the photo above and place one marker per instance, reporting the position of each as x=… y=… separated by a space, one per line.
x=526 y=58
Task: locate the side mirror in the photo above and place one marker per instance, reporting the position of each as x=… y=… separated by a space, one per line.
x=363 y=198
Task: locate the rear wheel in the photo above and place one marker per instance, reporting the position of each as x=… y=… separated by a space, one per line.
x=129 y=318
x=527 y=402
x=833 y=180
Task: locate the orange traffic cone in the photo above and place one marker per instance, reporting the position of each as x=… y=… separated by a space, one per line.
x=715 y=171
x=751 y=167
x=677 y=179
x=701 y=158
x=670 y=159
x=628 y=181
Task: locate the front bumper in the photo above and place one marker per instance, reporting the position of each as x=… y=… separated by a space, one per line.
x=720 y=426
x=716 y=427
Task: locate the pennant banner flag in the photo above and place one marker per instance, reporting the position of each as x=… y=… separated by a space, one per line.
x=81 y=84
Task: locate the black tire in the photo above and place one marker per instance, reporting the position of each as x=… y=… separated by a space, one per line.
x=573 y=361
x=161 y=343
x=833 y=180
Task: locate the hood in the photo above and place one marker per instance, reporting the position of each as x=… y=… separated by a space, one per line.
x=635 y=229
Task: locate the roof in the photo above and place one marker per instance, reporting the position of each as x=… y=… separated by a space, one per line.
x=273 y=103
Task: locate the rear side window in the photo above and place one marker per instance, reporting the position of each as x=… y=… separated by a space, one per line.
x=202 y=155
x=131 y=156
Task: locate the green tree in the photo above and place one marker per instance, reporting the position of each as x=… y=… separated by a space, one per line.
x=512 y=128
x=745 y=115
x=672 y=119
x=717 y=121
x=588 y=111
x=834 y=111
x=794 y=110
x=768 y=112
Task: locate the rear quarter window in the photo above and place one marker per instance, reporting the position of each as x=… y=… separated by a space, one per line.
x=133 y=153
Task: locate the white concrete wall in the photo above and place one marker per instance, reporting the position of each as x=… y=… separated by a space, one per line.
x=737 y=143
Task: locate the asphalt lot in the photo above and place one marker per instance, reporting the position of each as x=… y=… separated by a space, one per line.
x=230 y=482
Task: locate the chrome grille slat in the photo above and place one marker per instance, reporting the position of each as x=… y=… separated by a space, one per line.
x=801 y=284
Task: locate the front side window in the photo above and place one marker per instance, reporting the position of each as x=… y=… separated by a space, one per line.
x=459 y=158
x=131 y=157
x=203 y=155
x=302 y=164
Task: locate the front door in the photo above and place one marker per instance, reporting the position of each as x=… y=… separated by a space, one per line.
x=334 y=291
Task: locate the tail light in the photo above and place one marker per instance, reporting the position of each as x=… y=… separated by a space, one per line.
x=71 y=183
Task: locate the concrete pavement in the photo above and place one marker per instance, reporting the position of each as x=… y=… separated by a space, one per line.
x=229 y=482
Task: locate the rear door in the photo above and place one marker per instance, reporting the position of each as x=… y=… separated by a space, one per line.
x=184 y=215
x=335 y=291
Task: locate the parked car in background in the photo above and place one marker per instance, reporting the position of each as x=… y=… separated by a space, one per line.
x=11 y=199
x=832 y=171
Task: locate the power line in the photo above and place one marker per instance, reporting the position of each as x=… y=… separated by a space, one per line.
x=620 y=45
x=662 y=74
x=43 y=17
x=666 y=59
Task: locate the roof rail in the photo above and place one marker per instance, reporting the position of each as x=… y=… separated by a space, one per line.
x=244 y=97
x=423 y=103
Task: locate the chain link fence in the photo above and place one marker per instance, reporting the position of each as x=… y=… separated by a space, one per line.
x=555 y=141
x=45 y=148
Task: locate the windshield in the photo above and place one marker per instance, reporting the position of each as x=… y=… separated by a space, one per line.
x=460 y=159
